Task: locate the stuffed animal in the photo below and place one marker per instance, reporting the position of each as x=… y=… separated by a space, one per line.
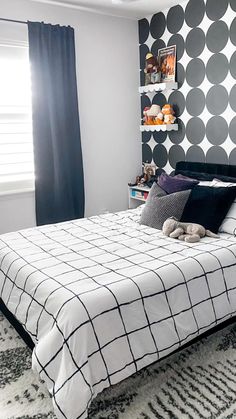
x=159 y=120
x=169 y=119
x=167 y=109
x=168 y=113
x=189 y=232
x=146 y=120
x=150 y=114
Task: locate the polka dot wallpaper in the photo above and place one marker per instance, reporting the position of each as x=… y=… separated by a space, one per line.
x=204 y=32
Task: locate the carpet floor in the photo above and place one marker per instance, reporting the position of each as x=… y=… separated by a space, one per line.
x=198 y=382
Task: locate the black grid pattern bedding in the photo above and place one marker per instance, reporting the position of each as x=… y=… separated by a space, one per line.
x=105 y=296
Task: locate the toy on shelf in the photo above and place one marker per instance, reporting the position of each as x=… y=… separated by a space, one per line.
x=154 y=115
x=168 y=113
x=149 y=175
x=152 y=70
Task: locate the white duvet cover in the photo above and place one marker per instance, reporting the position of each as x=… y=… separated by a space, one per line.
x=103 y=297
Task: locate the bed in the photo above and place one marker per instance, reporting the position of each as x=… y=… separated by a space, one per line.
x=103 y=297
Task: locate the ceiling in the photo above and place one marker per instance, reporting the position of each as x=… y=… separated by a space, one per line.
x=132 y=8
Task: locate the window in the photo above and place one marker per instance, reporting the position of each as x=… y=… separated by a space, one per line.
x=16 y=145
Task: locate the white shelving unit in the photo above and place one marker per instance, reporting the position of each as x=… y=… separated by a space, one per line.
x=158 y=87
x=135 y=201
x=170 y=127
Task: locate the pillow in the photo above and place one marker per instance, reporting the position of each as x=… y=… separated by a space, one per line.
x=172 y=184
x=229 y=223
x=160 y=207
x=208 y=206
x=206 y=176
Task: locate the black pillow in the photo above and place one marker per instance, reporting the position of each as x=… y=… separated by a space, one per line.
x=206 y=176
x=208 y=206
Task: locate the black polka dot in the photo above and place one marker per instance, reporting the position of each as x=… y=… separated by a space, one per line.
x=143 y=51
x=195 y=102
x=217 y=130
x=143 y=27
x=158 y=44
x=217 y=36
x=177 y=40
x=160 y=155
x=232 y=130
x=195 y=42
x=233 y=4
x=146 y=153
x=217 y=68
x=180 y=75
x=195 y=130
x=233 y=65
x=232 y=157
x=159 y=136
x=194 y=12
x=195 y=154
x=233 y=32
x=215 y=9
x=158 y=25
x=142 y=78
x=176 y=153
x=159 y=99
x=195 y=72
x=177 y=100
x=232 y=98
x=216 y=155
x=145 y=102
x=175 y=19
x=217 y=100
x=176 y=137
x=146 y=136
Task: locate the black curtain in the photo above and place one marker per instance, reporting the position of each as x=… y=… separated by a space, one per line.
x=59 y=182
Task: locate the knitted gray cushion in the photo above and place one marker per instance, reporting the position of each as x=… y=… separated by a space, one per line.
x=160 y=206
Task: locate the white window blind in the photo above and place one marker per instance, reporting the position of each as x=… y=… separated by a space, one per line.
x=16 y=145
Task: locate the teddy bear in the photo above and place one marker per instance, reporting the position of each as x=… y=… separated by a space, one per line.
x=168 y=113
x=189 y=232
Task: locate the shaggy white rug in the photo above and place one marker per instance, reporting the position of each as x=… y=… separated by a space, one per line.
x=198 y=382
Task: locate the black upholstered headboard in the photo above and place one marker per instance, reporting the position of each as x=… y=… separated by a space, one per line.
x=210 y=168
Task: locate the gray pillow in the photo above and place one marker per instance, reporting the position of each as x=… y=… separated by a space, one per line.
x=160 y=206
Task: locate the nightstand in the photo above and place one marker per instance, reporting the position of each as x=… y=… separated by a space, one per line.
x=137 y=195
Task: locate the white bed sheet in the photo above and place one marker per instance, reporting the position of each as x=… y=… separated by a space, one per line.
x=105 y=296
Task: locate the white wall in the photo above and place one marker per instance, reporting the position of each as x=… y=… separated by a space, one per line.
x=109 y=105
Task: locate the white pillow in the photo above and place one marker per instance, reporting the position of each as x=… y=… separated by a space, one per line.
x=229 y=223
x=206 y=183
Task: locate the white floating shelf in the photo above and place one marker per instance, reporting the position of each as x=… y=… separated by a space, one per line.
x=170 y=127
x=158 y=87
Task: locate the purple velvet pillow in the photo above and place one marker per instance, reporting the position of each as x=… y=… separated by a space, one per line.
x=172 y=184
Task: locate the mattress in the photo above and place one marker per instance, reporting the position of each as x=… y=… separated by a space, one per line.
x=105 y=296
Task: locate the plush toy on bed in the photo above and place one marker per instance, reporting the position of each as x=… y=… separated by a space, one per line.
x=189 y=232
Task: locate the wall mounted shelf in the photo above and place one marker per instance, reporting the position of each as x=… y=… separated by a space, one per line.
x=158 y=87
x=170 y=127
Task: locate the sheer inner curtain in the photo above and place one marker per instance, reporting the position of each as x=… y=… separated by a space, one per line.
x=59 y=181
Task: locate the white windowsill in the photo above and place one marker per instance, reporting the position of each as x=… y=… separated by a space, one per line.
x=17 y=192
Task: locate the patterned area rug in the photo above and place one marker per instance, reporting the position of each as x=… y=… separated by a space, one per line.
x=198 y=382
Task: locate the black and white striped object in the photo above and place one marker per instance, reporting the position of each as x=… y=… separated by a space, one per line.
x=105 y=296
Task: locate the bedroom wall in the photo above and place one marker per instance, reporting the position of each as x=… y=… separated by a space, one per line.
x=205 y=34
x=108 y=79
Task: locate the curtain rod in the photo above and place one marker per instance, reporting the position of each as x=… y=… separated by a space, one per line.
x=15 y=21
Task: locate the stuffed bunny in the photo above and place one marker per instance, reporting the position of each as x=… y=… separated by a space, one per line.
x=188 y=232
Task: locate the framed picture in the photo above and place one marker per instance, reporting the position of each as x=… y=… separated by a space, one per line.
x=167 y=61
